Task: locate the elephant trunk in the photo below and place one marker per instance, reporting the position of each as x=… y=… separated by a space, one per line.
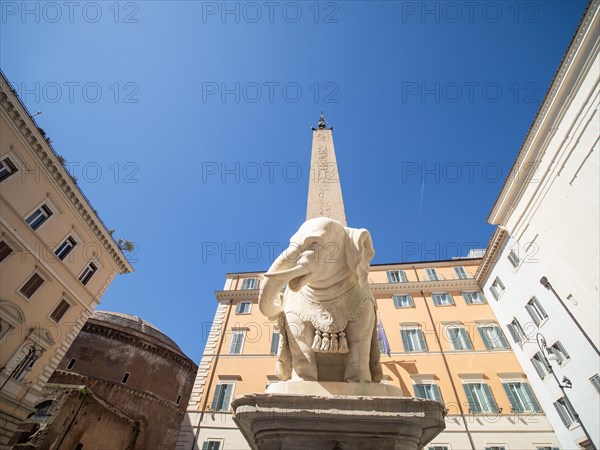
x=279 y=274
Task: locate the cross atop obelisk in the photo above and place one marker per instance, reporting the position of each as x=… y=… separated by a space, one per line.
x=324 y=188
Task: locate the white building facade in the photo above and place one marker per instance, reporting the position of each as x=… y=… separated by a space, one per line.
x=547 y=215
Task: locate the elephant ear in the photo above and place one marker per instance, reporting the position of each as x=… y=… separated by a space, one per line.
x=359 y=253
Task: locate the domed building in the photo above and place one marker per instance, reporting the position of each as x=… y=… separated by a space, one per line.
x=122 y=384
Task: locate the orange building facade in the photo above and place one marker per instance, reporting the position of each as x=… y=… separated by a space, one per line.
x=441 y=341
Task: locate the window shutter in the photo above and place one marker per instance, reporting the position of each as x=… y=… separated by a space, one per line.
x=420 y=391
x=473 y=405
x=513 y=333
x=500 y=336
x=486 y=341
x=205 y=445
x=238 y=308
x=562 y=413
x=467 y=297
x=217 y=396
x=396 y=299
x=422 y=340
x=436 y=393
x=466 y=339
x=532 y=401
x=275 y=343
x=405 y=343
x=436 y=299
x=492 y=406
x=511 y=398
x=227 y=396
x=533 y=313
x=389 y=277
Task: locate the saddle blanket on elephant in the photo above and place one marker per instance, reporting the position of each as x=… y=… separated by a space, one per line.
x=329 y=317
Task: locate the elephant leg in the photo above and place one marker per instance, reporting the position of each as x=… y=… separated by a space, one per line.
x=358 y=334
x=304 y=361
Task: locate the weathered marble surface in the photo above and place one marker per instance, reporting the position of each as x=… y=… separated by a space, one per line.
x=337 y=422
x=327 y=316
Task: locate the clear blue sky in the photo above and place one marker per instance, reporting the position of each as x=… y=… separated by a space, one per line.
x=430 y=102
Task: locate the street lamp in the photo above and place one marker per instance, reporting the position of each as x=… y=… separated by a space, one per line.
x=564 y=384
x=544 y=282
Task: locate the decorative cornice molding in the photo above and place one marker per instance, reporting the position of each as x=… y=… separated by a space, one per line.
x=18 y=115
x=245 y=294
x=426 y=286
x=496 y=243
x=556 y=88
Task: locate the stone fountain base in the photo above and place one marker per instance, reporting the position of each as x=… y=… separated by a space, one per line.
x=336 y=416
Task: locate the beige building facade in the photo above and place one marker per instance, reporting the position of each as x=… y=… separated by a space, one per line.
x=444 y=344
x=57 y=259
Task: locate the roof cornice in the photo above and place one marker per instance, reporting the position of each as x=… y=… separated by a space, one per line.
x=554 y=102
x=496 y=243
x=21 y=119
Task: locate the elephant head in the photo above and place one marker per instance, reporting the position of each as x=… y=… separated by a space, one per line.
x=322 y=254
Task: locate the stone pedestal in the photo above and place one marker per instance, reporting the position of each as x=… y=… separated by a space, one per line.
x=336 y=416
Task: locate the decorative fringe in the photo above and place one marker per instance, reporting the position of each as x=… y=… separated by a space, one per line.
x=343 y=346
x=330 y=342
x=316 y=346
x=333 y=346
x=325 y=342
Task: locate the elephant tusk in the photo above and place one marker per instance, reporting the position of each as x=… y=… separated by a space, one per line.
x=288 y=274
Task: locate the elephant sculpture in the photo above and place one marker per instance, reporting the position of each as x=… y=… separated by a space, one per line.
x=327 y=314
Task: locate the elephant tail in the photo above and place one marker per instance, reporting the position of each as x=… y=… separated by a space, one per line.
x=283 y=368
x=375 y=355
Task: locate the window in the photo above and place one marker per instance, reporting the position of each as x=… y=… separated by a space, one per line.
x=31 y=285
x=480 y=398
x=595 y=382
x=497 y=288
x=442 y=299
x=71 y=364
x=5 y=327
x=546 y=447
x=473 y=298
x=496 y=447
x=60 y=310
x=413 y=339
x=437 y=447
x=521 y=398
x=432 y=275
x=29 y=356
x=514 y=259
x=428 y=391
x=237 y=341
x=516 y=331
x=38 y=217
x=461 y=273
x=275 y=338
x=559 y=351
x=65 y=248
x=250 y=283
x=5 y=250
x=243 y=308
x=125 y=378
x=396 y=276
x=211 y=445
x=565 y=411
x=7 y=168
x=459 y=338
x=403 y=301
x=535 y=310
x=540 y=365
x=88 y=273
x=492 y=336
x=222 y=396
